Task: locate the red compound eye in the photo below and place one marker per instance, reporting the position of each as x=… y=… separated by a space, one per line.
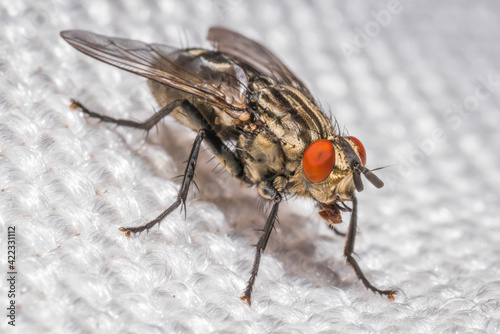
x=361 y=149
x=319 y=160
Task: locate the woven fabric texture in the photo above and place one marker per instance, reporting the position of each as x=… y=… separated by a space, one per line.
x=418 y=82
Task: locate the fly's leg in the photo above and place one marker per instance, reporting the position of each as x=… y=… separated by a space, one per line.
x=349 y=250
x=205 y=133
x=181 y=196
x=267 y=191
x=146 y=125
x=337 y=232
x=196 y=121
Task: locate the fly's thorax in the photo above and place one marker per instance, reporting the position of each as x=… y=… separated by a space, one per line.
x=288 y=122
x=257 y=83
x=289 y=115
x=262 y=156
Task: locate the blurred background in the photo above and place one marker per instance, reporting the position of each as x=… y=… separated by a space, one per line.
x=418 y=82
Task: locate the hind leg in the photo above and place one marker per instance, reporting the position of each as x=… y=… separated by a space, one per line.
x=205 y=133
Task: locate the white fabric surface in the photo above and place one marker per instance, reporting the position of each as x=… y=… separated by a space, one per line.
x=411 y=88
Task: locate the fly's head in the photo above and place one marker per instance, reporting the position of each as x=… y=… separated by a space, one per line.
x=331 y=172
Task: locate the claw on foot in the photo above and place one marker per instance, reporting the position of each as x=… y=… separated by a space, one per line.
x=391 y=295
x=74 y=104
x=245 y=299
x=126 y=230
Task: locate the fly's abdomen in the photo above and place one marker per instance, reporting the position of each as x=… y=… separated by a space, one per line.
x=219 y=120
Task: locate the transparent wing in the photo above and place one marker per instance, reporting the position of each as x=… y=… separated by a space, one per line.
x=255 y=55
x=167 y=65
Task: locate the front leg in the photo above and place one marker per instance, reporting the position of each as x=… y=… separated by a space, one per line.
x=267 y=191
x=349 y=250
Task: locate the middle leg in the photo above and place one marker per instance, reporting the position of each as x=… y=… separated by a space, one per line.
x=183 y=192
x=267 y=191
x=216 y=145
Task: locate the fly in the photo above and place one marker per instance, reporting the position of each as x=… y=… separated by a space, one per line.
x=257 y=118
